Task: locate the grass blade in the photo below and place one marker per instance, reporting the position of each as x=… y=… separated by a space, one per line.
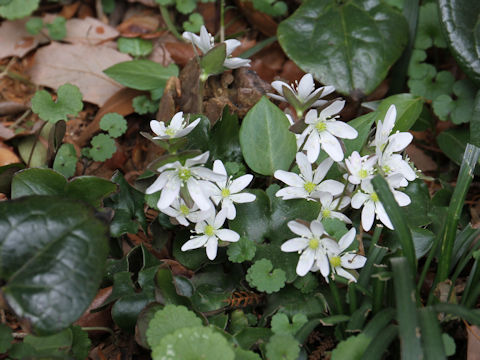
x=463 y=312
x=431 y=334
x=402 y=231
x=406 y=309
x=379 y=344
x=472 y=287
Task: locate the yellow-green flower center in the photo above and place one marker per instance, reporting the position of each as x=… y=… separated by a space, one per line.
x=326 y=213
x=184 y=209
x=209 y=230
x=335 y=261
x=184 y=174
x=170 y=132
x=374 y=196
x=363 y=174
x=225 y=192
x=309 y=186
x=386 y=169
x=313 y=243
x=320 y=126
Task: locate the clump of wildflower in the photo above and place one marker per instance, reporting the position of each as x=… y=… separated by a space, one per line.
x=177 y=128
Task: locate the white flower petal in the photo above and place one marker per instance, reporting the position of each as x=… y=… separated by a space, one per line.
x=312 y=146
x=331 y=145
x=368 y=215
x=276 y=97
x=401 y=198
x=231 y=45
x=177 y=121
x=289 y=178
x=160 y=182
x=383 y=216
x=227 y=235
x=341 y=130
x=219 y=168
x=235 y=63
x=219 y=219
x=332 y=186
x=240 y=183
x=207 y=174
x=294 y=245
x=323 y=264
x=353 y=261
x=169 y=193
x=243 y=197
x=340 y=216
x=292 y=192
x=345 y=274
x=197 y=160
x=228 y=206
x=299 y=229
x=195 y=243
x=399 y=141
x=278 y=86
x=212 y=246
x=317 y=228
x=332 y=109
x=305 y=86
x=359 y=199
x=304 y=166
x=347 y=239
x=197 y=195
x=322 y=170
x=311 y=117
x=305 y=262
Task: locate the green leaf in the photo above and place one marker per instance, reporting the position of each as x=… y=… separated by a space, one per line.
x=6 y=338
x=306 y=284
x=448 y=344
x=212 y=62
x=66 y=160
x=453 y=142
x=241 y=354
x=143 y=105
x=80 y=343
x=90 y=189
x=362 y=124
x=69 y=102
x=281 y=324
x=358 y=42
x=475 y=122
x=261 y=276
x=114 y=123
x=224 y=140
x=108 y=6
x=431 y=334
x=459 y=20
x=416 y=212
x=460 y=110
x=352 y=348
x=52 y=345
x=432 y=85
x=429 y=32
x=57 y=29
x=141 y=74
x=443 y=106
x=16 y=9
x=103 y=147
x=54 y=249
x=34 y=25
x=186 y=6
x=283 y=347
x=193 y=343
x=266 y=141
x=6 y=175
x=287 y=262
x=169 y=319
x=242 y=250
x=126 y=310
x=408 y=108
x=134 y=46
x=194 y=23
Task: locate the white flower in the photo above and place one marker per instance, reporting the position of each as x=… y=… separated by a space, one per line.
x=205 y=42
x=208 y=234
x=228 y=191
x=173 y=176
x=304 y=185
x=175 y=129
x=323 y=131
x=360 y=167
x=183 y=214
x=395 y=164
x=330 y=207
x=304 y=93
x=396 y=142
x=312 y=244
x=340 y=260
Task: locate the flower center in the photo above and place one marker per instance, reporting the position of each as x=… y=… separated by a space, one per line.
x=209 y=230
x=374 y=196
x=335 y=261
x=184 y=209
x=320 y=126
x=184 y=173
x=363 y=174
x=326 y=213
x=386 y=169
x=313 y=243
x=309 y=186
x=170 y=132
x=225 y=192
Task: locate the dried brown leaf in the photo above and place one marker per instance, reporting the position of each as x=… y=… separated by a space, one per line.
x=7 y=156
x=80 y=65
x=89 y=31
x=15 y=39
x=473 y=350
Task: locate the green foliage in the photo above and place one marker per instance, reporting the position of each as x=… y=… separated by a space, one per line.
x=459 y=110
x=261 y=276
x=16 y=9
x=69 y=102
x=143 y=105
x=34 y=25
x=66 y=160
x=114 y=123
x=356 y=64
x=429 y=32
x=212 y=62
x=6 y=338
x=352 y=348
x=57 y=29
x=283 y=347
x=306 y=284
x=271 y=7
x=135 y=46
x=267 y=144
x=108 y=6
x=194 y=23
x=282 y=325
x=103 y=147
x=242 y=250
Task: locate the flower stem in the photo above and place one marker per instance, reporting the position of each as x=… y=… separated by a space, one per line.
x=222 y=20
x=336 y=297
x=168 y=21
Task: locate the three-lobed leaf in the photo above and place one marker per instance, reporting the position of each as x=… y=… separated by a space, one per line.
x=69 y=102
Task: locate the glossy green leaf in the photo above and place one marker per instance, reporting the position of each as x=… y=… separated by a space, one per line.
x=212 y=62
x=141 y=74
x=54 y=249
x=362 y=124
x=90 y=189
x=16 y=9
x=408 y=108
x=224 y=140
x=134 y=46
x=459 y=20
x=453 y=142
x=6 y=175
x=350 y=45
x=266 y=141
x=69 y=102
x=125 y=311
x=66 y=160
x=416 y=212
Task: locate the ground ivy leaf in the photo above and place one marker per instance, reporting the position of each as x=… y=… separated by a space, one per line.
x=358 y=42
x=261 y=276
x=432 y=86
x=53 y=250
x=69 y=102
x=103 y=147
x=242 y=250
x=186 y=6
x=281 y=324
x=193 y=343
x=169 y=319
x=114 y=123
x=429 y=32
x=34 y=25
x=443 y=106
x=66 y=160
x=281 y=346
x=57 y=29
x=418 y=69
x=143 y=105
x=17 y=9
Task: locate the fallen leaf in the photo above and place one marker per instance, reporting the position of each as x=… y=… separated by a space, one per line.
x=68 y=11
x=421 y=160
x=6 y=133
x=89 y=31
x=259 y=20
x=151 y=3
x=7 y=156
x=80 y=65
x=181 y=53
x=473 y=349
x=11 y=107
x=15 y=39
x=138 y=25
x=100 y=318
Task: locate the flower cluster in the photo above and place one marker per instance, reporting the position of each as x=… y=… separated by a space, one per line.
x=190 y=192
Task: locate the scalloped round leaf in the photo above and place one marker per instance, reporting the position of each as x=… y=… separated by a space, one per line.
x=194 y=23
x=114 y=123
x=57 y=29
x=193 y=343
x=459 y=20
x=242 y=250
x=168 y=320
x=282 y=346
x=261 y=276
x=69 y=102
x=52 y=258
x=143 y=105
x=443 y=106
x=429 y=32
x=241 y=354
x=103 y=147
x=17 y=9
x=66 y=160
x=432 y=86
x=358 y=42
x=306 y=284
x=281 y=323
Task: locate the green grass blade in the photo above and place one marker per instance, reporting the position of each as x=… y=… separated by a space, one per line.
x=463 y=312
x=407 y=317
x=379 y=344
x=464 y=179
x=379 y=322
x=402 y=231
x=462 y=244
x=431 y=334
x=376 y=255
x=472 y=287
